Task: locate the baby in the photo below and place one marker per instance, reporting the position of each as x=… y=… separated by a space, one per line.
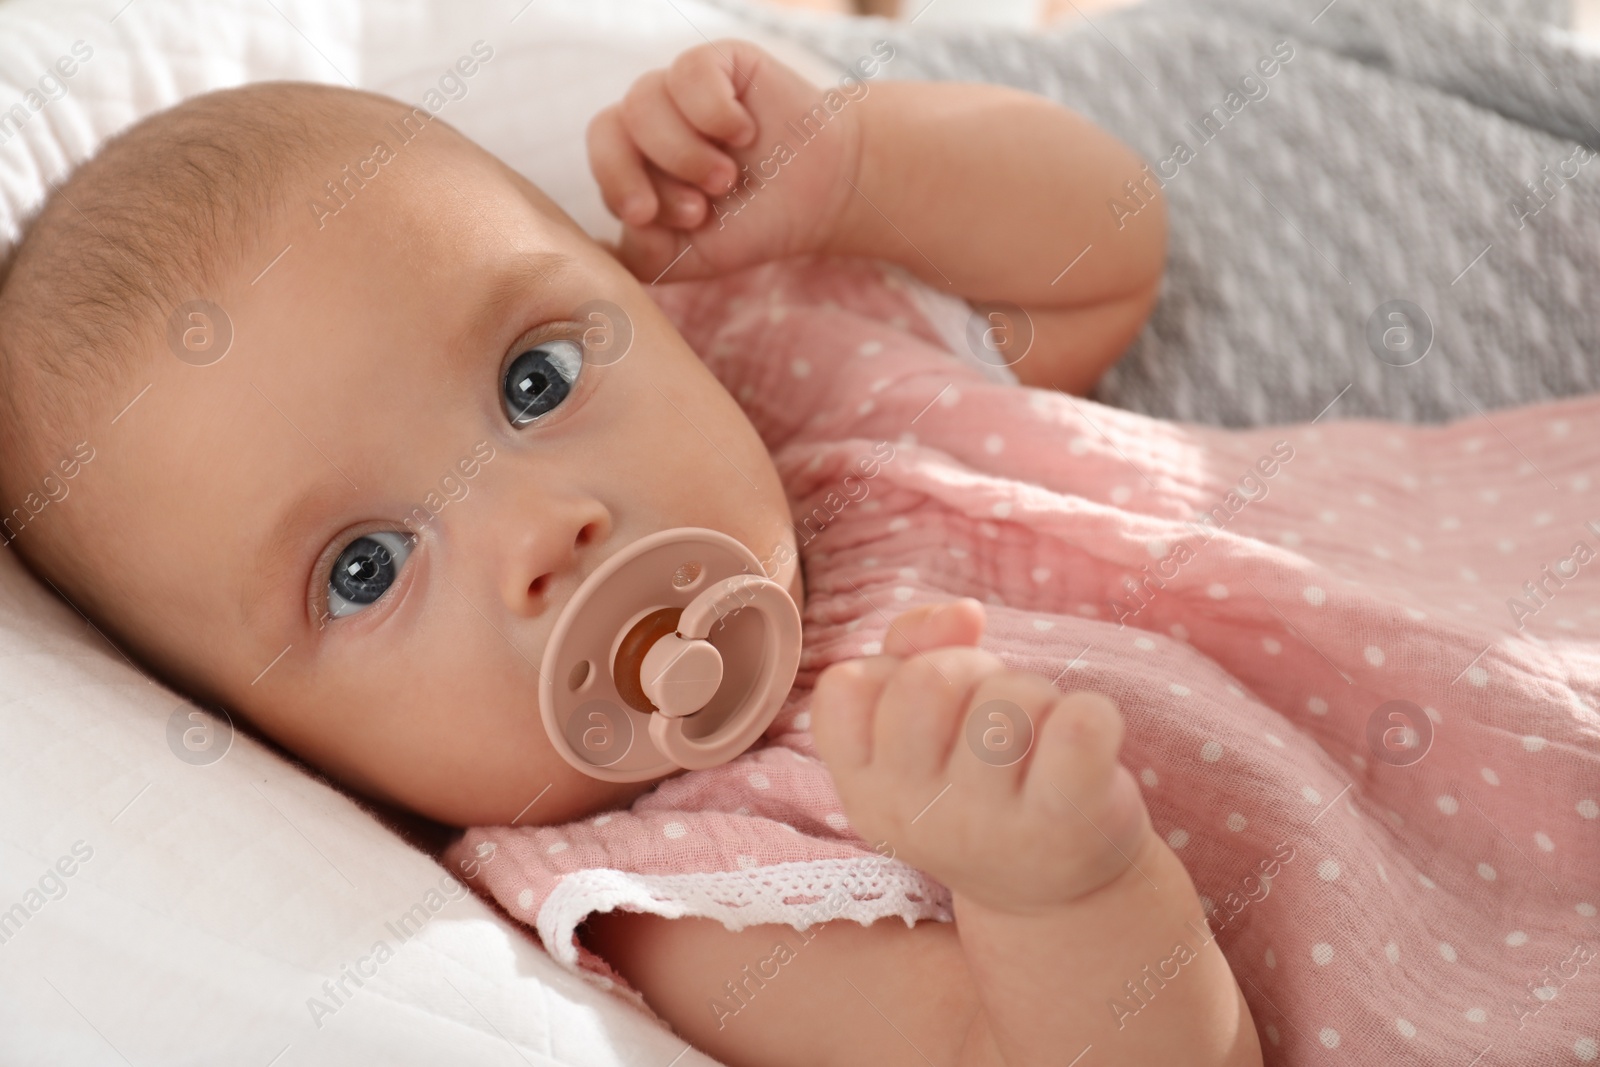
x=247 y=524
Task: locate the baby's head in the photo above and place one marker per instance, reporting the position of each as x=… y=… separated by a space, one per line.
x=350 y=450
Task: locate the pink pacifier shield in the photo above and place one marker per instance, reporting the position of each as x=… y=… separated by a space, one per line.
x=676 y=652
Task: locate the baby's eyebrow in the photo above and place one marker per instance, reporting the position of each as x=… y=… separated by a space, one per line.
x=522 y=273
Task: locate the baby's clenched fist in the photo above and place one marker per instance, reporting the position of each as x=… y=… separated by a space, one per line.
x=990 y=779
x=725 y=159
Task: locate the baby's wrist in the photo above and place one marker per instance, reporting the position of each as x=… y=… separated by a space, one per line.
x=1128 y=864
x=852 y=225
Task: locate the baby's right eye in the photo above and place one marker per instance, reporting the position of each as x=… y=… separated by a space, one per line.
x=365 y=570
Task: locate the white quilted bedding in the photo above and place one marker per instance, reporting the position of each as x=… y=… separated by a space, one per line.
x=158 y=911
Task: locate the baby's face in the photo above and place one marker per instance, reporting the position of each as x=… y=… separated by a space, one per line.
x=414 y=356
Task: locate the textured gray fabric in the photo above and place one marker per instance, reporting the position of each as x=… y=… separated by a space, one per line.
x=1382 y=164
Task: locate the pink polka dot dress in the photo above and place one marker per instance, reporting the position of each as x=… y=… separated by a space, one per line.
x=1359 y=663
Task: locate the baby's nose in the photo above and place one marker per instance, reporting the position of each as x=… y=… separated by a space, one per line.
x=549 y=558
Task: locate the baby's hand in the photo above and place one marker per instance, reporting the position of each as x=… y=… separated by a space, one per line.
x=1022 y=827
x=729 y=153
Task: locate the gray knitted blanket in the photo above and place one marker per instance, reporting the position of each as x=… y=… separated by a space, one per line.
x=1400 y=221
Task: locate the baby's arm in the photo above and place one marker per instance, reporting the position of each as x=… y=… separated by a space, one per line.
x=843 y=994
x=729 y=158
x=1001 y=195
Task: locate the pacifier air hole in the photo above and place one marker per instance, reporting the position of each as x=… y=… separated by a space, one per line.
x=580 y=674
x=687 y=575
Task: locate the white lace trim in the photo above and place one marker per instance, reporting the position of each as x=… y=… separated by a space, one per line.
x=798 y=894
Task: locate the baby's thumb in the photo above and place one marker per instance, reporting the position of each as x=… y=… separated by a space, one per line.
x=955 y=622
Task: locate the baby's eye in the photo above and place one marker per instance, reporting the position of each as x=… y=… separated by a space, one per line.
x=539 y=378
x=365 y=570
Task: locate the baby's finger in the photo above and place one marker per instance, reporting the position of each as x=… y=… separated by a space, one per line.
x=1075 y=771
x=843 y=704
x=667 y=140
x=998 y=731
x=955 y=622
x=1075 y=750
x=620 y=170
x=702 y=85
x=921 y=708
x=683 y=207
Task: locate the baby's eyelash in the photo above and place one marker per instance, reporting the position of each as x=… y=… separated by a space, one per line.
x=555 y=330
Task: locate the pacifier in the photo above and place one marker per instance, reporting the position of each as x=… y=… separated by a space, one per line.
x=675 y=653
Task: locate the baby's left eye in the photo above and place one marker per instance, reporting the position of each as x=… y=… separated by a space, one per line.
x=539 y=378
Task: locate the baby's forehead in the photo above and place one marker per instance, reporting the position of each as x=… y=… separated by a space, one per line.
x=409 y=184
x=177 y=209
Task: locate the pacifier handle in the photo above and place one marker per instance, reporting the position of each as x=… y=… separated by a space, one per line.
x=780 y=658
